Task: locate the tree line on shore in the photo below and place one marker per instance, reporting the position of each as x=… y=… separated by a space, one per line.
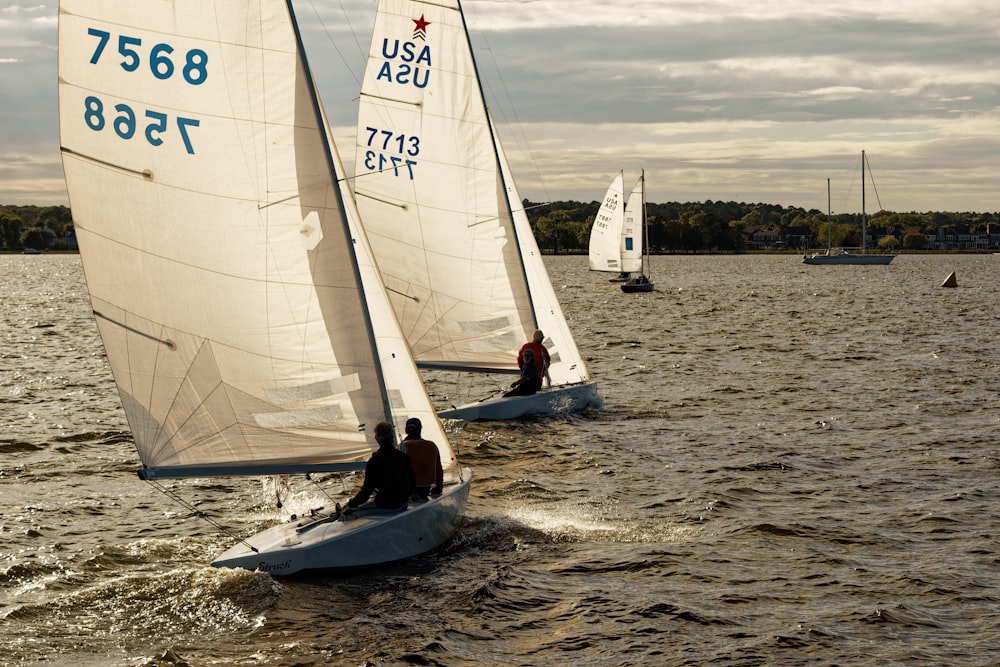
x=717 y=226
x=564 y=226
x=35 y=227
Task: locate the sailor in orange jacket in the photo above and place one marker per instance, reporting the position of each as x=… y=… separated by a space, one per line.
x=426 y=460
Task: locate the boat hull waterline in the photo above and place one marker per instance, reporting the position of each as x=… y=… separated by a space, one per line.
x=637 y=285
x=366 y=538
x=564 y=399
x=847 y=258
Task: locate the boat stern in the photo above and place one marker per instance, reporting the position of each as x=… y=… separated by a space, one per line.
x=365 y=538
x=564 y=399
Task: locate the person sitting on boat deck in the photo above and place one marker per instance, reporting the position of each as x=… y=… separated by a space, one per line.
x=388 y=473
x=530 y=380
x=542 y=359
x=426 y=460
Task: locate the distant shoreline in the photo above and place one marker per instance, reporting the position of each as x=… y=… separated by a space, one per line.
x=692 y=253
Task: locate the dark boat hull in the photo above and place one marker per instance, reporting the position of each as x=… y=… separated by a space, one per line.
x=642 y=284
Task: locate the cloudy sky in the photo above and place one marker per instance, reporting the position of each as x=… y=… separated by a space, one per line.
x=715 y=99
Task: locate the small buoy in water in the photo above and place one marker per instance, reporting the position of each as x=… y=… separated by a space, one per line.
x=950 y=281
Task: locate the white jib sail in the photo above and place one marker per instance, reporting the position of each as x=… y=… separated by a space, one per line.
x=214 y=238
x=408 y=394
x=606 y=234
x=430 y=192
x=567 y=366
x=631 y=240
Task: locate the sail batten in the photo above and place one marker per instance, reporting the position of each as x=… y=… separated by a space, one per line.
x=236 y=471
x=469 y=368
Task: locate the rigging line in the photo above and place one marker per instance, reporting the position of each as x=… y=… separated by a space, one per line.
x=872 y=179
x=198 y=513
x=534 y=206
x=322 y=489
x=517 y=120
x=329 y=36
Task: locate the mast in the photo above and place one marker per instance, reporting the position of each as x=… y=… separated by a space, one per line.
x=829 y=220
x=647 y=268
x=864 y=216
x=622 y=205
x=337 y=171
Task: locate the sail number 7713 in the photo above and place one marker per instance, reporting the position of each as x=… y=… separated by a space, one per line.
x=389 y=150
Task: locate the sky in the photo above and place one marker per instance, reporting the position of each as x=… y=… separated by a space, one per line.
x=718 y=100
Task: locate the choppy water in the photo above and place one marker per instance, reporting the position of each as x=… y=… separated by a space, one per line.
x=795 y=465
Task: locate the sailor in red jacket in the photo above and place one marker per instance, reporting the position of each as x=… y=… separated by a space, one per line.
x=541 y=355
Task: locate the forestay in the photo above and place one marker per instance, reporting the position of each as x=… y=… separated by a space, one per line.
x=239 y=318
x=566 y=365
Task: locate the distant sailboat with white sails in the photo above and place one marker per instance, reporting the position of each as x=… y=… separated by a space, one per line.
x=635 y=241
x=605 y=251
x=618 y=240
x=447 y=226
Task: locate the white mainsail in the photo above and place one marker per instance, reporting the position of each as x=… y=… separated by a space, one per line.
x=245 y=327
x=464 y=274
x=606 y=233
x=631 y=239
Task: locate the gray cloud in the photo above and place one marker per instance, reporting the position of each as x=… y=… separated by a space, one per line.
x=715 y=99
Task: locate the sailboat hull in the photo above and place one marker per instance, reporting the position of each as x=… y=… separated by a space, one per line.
x=634 y=285
x=564 y=399
x=364 y=539
x=847 y=258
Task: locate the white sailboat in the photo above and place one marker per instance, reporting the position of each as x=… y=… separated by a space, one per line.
x=841 y=255
x=240 y=308
x=605 y=251
x=442 y=213
x=617 y=241
x=635 y=241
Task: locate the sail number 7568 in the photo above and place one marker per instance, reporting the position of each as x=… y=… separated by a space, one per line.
x=125 y=122
x=161 y=65
x=191 y=65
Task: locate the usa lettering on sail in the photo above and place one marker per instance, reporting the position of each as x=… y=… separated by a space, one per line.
x=406 y=63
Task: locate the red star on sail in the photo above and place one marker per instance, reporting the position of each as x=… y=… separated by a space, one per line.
x=420 y=31
x=421 y=23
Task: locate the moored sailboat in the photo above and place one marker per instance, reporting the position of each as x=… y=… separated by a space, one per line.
x=453 y=243
x=240 y=308
x=841 y=255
